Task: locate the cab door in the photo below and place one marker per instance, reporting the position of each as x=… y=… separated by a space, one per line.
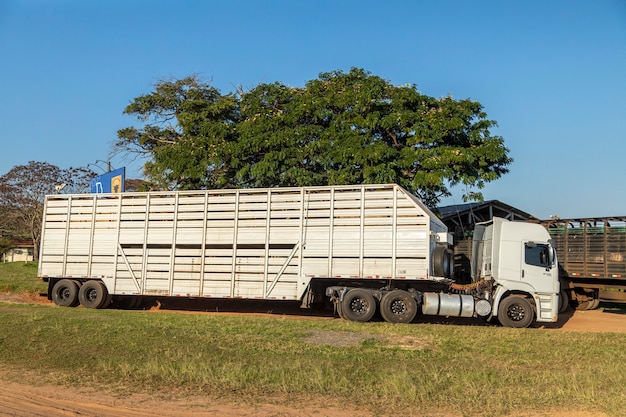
x=537 y=267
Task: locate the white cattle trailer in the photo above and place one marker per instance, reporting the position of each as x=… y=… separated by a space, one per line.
x=249 y=243
x=275 y=243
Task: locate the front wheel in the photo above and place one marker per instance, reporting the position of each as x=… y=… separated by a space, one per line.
x=93 y=294
x=516 y=311
x=398 y=307
x=358 y=305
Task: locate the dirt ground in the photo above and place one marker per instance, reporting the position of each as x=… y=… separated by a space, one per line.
x=21 y=400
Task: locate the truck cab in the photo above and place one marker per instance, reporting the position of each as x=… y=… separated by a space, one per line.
x=520 y=259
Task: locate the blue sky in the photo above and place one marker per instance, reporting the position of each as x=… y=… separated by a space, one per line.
x=551 y=73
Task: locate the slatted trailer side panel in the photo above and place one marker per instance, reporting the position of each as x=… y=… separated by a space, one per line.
x=253 y=243
x=592 y=257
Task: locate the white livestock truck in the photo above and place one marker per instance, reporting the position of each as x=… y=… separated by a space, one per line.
x=367 y=248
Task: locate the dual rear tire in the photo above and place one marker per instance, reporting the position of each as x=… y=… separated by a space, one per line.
x=360 y=305
x=398 y=306
x=357 y=305
x=70 y=293
x=65 y=293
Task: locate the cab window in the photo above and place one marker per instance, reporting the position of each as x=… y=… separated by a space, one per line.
x=537 y=255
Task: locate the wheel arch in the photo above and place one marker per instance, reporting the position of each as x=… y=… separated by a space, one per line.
x=503 y=292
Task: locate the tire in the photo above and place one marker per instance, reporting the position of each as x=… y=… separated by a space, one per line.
x=563 y=301
x=93 y=294
x=516 y=311
x=65 y=293
x=442 y=262
x=340 y=310
x=358 y=305
x=398 y=307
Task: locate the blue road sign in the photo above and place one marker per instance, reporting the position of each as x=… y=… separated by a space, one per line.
x=111 y=182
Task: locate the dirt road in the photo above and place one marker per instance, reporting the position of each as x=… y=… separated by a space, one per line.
x=21 y=400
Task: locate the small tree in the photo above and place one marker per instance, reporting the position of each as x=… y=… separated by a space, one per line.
x=6 y=245
x=23 y=190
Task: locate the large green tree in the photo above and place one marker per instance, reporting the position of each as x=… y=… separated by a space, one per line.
x=187 y=127
x=341 y=128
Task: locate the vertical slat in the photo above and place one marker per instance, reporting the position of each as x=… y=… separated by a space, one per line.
x=362 y=231
x=394 y=233
x=118 y=246
x=203 y=245
x=302 y=233
x=43 y=236
x=144 y=265
x=67 y=235
x=235 y=232
x=268 y=215
x=173 y=252
x=94 y=207
x=331 y=232
x=585 y=250
x=605 y=239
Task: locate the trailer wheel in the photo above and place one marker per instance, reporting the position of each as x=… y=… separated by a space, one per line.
x=65 y=293
x=358 y=305
x=398 y=307
x=516 y=311
x=93 y=294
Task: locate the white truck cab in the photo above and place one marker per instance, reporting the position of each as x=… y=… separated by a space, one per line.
x=519 y=257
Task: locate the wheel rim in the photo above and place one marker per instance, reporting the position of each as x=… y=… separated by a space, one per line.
x=359 y=306
x=398 y=307
x=516 y=312
x=91 y=295
x=65 y=294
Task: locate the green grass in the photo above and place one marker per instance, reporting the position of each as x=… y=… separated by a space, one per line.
x=401 y=369
x=20 y=277
x=463 y=369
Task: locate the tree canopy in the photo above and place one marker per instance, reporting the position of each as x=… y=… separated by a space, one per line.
x=341 y=128
x=22 y=193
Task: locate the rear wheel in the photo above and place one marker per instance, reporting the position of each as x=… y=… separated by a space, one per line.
x=65 y=293
x=358 y=305
x=398 y=307
x=93 y=294
x=516 y=311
